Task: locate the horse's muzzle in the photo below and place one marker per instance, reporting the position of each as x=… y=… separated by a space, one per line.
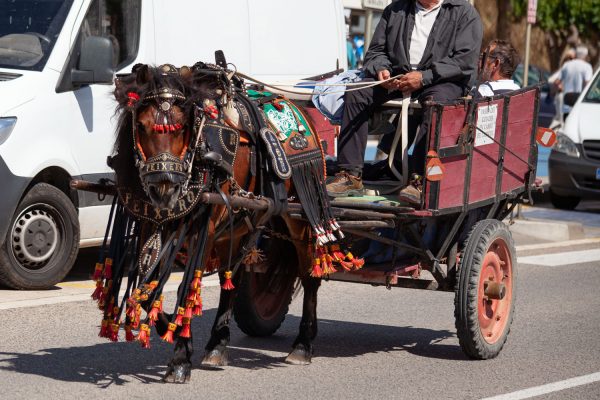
x=163 y=177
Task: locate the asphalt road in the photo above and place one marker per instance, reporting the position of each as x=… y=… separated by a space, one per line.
x=372 y=343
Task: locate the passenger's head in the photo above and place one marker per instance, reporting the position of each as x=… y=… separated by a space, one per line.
x=501 y=62
x=581 y=52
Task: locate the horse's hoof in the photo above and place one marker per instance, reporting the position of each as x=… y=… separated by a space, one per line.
x=216 y=358
x=300 y=355
x=178 y=374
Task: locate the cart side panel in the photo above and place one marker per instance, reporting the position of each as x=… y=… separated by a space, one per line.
x=448 y=192
x=519 y=137
x=485 y=151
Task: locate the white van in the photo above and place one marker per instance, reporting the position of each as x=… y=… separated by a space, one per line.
x=57 y=62
x=574 y=163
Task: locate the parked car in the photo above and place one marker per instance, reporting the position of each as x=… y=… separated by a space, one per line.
x=574 y=164
x=547 y=110
x=57 y=61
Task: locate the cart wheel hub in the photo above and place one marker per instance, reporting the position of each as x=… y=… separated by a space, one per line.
x=495 y=291
x=34 y=238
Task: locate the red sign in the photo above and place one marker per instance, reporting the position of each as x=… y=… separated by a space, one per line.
x=532 y=12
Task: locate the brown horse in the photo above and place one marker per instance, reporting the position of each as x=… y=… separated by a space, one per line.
x=189 y=145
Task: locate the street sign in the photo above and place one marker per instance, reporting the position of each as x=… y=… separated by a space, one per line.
x=375 y=4
x=532 y=12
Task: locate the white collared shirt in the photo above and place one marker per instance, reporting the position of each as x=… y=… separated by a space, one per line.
x=488 y=89
x=424 y=20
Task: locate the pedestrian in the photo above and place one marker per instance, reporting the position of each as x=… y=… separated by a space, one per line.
x=435 y=45
x=574 y=76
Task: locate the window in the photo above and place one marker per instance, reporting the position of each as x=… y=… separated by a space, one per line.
x=118 y=20
x=28 y=31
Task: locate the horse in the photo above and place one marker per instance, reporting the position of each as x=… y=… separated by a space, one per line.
x=201 y=176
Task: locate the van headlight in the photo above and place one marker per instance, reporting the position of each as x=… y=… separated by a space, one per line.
x=7 y=125
x=565 y=145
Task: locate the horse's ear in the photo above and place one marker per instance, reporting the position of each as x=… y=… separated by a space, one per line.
x=142 y=74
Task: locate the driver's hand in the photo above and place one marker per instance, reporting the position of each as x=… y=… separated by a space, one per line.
x=382 y=76
x=410 y=82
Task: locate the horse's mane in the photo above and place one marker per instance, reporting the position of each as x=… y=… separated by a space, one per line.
x=143 y=80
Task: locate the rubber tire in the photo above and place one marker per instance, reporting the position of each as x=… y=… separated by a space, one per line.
x=564 y=202
x=482 y=235
x=12 y=273
x=247 y=315
x=246 y=309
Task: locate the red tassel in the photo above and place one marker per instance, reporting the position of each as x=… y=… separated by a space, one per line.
x=144 y=336
x=347 y=265
x=198 y=306
x=316 y=272
x=98 y=271
x=197 y=281
x=168 y=336
x=98 y=292
x=114 y=332
x=129 y=337
x=153 y=314
x=211 y=111
x=133 y=98
x=357 y=263
x=188 y=313
x=179 y=317
x=228 y=285
x=103 y=328
x=108 y=268
x=186 y=331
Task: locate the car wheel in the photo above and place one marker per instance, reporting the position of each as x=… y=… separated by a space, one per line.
x=42 y=241
x=564 y=202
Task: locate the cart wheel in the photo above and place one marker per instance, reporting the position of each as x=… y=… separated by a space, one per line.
x=263 y=299
x=485 y=290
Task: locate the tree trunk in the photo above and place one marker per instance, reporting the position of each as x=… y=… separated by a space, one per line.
x=505 y=22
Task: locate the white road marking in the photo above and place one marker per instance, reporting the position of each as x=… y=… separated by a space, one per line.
x=549 y=388
x=559 y=259
x=552 y=245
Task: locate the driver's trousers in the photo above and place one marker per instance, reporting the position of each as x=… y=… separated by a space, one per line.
x=359 y=105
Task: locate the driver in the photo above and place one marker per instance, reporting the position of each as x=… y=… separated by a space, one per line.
x=435 y=45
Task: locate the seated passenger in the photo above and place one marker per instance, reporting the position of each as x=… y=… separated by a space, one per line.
x=434 y=45
x=497 y=69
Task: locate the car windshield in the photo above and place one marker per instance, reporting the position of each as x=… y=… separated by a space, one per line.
x=593 y=95
x=28 y=31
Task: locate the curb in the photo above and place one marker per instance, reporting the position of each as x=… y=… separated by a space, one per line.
x=549 y=231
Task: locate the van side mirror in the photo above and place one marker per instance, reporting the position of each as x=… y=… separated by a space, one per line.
x=571 y=98
x=95 y=63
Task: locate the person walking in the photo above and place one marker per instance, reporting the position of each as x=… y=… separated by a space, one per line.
x=574 y=76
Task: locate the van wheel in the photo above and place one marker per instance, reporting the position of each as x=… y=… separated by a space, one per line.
x=42 y=243
x=564 y=202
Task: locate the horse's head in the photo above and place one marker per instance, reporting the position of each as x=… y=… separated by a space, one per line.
x=157 y=133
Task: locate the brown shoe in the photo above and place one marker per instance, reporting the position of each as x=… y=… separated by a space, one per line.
x=412 y=194
x=344 y=185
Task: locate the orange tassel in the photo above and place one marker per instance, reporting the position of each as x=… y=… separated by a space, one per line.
x=153 y=314
x=336 y=253
x=179 y=317
x=129 y=334
x=144 y=336
x=98 y=292
x=108 y=268
x=189 y=305
x=197 y=281
x=98 y=271
x=186 y=331
x=114 y=332
x=358 y=263
x=347 y=265
x=168 y=336
x=330 y=265
x=316 y=272
x=228 y=285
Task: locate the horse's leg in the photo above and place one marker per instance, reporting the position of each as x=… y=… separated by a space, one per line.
x=302 y=347
x=180 y=367
x=216 y=348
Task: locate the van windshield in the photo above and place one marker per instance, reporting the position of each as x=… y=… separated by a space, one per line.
x=593 y=95
x=28 y=31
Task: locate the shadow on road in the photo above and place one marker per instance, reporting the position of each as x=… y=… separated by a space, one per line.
x=120 y=363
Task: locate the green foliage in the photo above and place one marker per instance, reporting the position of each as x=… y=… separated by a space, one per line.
x=560 y=14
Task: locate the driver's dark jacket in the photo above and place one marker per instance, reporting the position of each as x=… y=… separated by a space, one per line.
x=452 y=50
